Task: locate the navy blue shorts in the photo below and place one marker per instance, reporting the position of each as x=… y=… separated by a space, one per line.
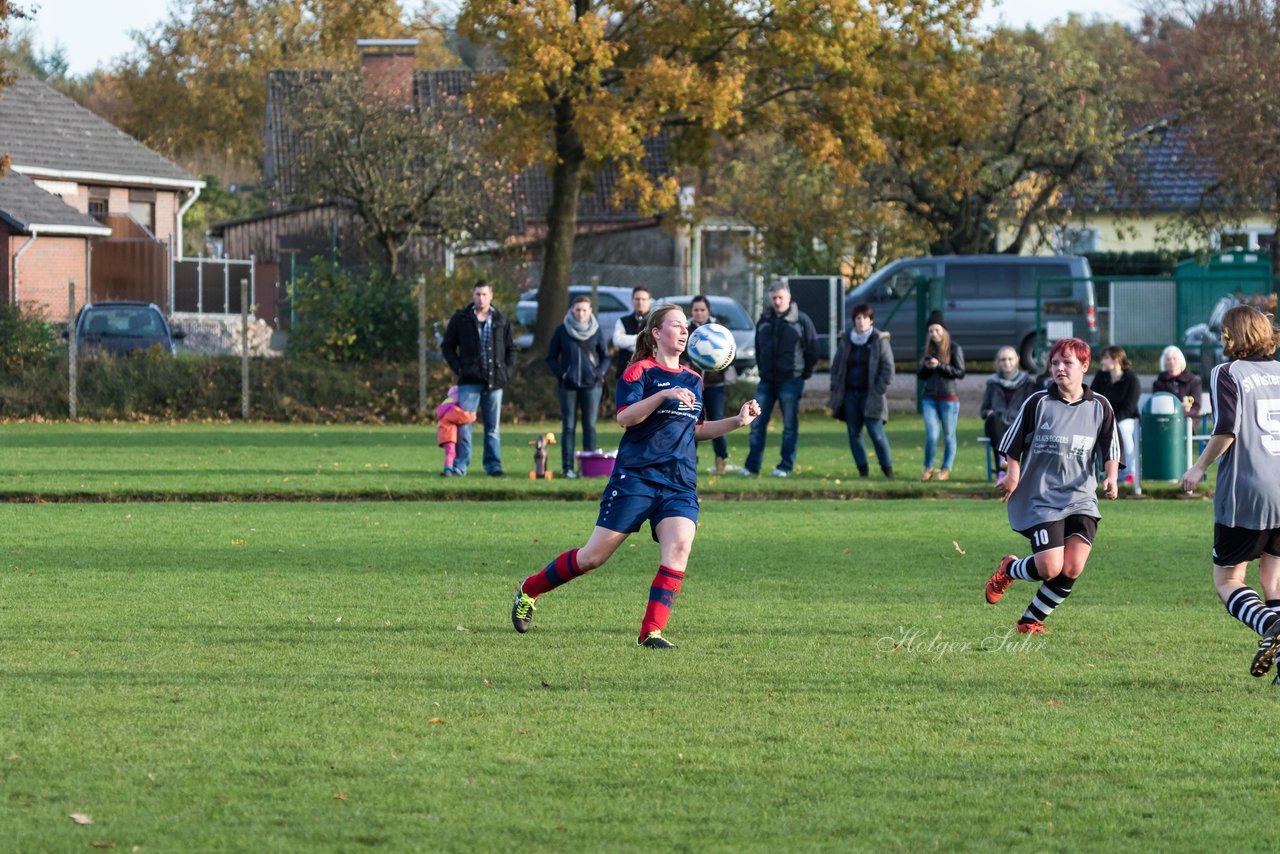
x=629 y=500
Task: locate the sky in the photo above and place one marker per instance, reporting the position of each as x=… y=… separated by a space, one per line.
x=96 y=32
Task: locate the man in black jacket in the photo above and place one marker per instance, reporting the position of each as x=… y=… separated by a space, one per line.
x=786 y=352
x=480 y=351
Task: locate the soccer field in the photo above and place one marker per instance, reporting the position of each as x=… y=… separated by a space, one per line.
x=341 y=676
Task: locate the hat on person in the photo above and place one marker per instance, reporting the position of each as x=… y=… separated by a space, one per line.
x=452 y=394
x=935 y=317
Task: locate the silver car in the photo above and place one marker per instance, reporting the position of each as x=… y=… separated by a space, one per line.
x=611 y=304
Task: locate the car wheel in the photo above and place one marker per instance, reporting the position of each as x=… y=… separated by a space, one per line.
x=1033 y=358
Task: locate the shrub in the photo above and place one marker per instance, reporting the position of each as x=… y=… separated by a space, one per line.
x=26 y=338
x=346 y=316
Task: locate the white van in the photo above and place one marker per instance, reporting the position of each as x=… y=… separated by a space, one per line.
x=989 y=301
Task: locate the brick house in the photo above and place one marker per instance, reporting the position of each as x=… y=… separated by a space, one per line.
x=85 y=201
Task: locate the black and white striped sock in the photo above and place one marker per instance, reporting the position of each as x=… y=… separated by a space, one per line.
x=1245 y=606
x=1024 y=569
x=1050 y=595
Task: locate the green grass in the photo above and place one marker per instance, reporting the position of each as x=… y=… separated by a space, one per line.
x=336 y=677
x=160 y=461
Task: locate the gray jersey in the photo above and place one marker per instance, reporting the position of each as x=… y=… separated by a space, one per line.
x=1056 y=443
x=1246 y=405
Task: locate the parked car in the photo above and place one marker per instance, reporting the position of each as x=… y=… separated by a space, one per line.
x=1202 y=343
x=611 y=304
x=122 y=327
x=730 y=314
x=989 y=301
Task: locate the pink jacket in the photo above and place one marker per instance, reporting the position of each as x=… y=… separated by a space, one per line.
x=448 y=416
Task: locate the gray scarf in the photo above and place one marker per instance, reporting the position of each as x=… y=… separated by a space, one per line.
x=860 y=338
x=581 y=331
x=1012 y=382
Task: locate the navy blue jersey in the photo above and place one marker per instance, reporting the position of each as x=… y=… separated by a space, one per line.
x=660 y=448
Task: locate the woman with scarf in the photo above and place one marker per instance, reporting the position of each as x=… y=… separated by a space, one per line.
x=860 y=377
x=578 y=356
x=1007 y=389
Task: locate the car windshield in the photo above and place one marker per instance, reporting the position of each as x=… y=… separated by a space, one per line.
x=122 y=323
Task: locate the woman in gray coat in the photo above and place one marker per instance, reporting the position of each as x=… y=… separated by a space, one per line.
x=860 y=376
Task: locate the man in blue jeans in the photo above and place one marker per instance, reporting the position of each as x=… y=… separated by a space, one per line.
x=479 y=348
x=786 y=352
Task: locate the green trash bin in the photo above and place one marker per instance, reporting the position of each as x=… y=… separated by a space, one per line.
x=1164 y=437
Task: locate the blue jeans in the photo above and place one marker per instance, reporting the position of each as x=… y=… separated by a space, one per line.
x=940 y=415
x=571 y=400
x=487 y=404
x=787 y=395
x=854 y=420
x=713 y=410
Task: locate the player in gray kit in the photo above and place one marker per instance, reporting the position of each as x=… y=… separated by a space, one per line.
x=1246 y=500
x=1050 y=485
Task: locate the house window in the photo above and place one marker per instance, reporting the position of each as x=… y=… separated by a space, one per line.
x=99 y=202
x=142 y=207
x=1078 y=241
x=1254 y=238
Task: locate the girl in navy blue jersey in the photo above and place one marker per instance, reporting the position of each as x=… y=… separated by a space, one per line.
x=655 y=477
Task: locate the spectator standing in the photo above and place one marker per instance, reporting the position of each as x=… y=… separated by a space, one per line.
x=1006 y=390
x=1177 y=380
x=481 y=352
x=1117 y=382
x=860 y=377
x=786 y=353
x=578 y=358
x=628 y=327
x=1246 y=501
x=940 y=367
x=713 y=382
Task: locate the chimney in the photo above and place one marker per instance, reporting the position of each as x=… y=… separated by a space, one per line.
x=387 y=66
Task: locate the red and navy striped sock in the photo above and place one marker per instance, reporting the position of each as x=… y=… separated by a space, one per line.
x=562 y=570
x=662 y=595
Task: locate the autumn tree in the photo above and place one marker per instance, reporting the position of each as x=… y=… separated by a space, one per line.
x=1225 y=88
x=195 y=87
x=807 y=220
x=1005 y=131
x=583 y=83
x=404 y=174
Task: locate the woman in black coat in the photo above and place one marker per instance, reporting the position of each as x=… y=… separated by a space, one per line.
x=1117 y=382
x=578 y=357
x=860 y=377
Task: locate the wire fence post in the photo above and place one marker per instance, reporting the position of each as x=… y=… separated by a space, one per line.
x=244 y=349
x=422 y=347
x=72 y=354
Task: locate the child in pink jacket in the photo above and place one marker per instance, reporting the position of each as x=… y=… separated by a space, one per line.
x=448 y=416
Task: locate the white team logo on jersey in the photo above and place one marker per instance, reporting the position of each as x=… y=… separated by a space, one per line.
x=1081 y=446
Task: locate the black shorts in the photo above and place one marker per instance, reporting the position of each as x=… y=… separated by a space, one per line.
x=1053 y=535
x=1233 y=546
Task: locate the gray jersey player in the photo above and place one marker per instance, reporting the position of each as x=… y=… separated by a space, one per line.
x=1246 y=504
x=1050 y=487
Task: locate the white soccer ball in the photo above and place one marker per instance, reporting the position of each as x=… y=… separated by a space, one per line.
x=710 y=347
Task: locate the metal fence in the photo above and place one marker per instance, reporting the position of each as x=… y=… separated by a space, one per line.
x=211 y=285
x=1154 y=312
